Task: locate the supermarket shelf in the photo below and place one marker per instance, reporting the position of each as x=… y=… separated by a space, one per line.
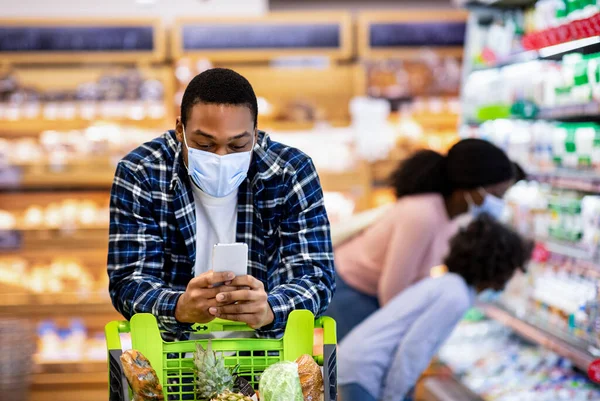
x=581 y=354
x=69 y=178
x=36 y=310
x=12 y=241
x=70 y=367
x=585 y=46
x=578 y=112
x=34 y=127
x=578 y=180
x=496 y=3
x=570 y=250
x=97 y=178
x=447 y=389
x=89 y=256
x=282 y=125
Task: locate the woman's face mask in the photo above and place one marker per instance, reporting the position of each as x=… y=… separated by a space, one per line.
x=217 y=175
x=491 y=205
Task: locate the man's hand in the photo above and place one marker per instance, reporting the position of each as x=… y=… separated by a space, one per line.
x=200 y=295
x=248 y=303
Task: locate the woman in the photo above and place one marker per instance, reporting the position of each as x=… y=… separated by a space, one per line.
x=401 y=248
x=382 y=358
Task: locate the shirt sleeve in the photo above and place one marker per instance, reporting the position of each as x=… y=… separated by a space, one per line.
x=305 y=276
x=423 y=339
x=412 y=237
x=135 y=253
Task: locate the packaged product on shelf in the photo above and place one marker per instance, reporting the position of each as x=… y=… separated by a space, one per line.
x=72 y=343
x=62 y=276
x=528 y=206
x=318 y=142
x=500 y=367
x=564 y=299
x=494 y=42
x=97 y=147
x=118 y=95
x=543 y=144
x=49 y=343
x=374 y=135
x=590 y=215
x=566 y=222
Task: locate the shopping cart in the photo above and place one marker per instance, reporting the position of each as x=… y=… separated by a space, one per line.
x=174 y=365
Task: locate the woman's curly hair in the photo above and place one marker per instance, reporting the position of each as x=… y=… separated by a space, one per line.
x=487 y=253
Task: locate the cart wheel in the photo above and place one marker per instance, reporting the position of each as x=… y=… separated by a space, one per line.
x=118 y=386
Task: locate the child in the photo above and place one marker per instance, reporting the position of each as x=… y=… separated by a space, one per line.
x=383 y=357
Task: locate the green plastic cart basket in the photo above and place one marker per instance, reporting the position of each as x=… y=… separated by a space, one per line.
x=174 y=364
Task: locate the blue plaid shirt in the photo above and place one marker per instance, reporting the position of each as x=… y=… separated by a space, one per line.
x=281 y=216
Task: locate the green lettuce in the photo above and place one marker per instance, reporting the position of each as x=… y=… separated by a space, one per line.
x=281 y=382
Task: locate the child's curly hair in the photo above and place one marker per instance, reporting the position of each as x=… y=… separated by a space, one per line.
x=487 y=253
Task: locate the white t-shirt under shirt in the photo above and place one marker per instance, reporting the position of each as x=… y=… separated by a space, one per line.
x=216 y=222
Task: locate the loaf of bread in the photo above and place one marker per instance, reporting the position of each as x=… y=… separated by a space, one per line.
x=141 y=377
x=311 y=378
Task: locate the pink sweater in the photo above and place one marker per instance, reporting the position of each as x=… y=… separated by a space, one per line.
x=398 y=250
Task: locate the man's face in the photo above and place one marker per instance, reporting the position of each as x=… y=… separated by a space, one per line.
x=217 y=128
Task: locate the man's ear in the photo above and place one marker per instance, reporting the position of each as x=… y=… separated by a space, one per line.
x=179 y=129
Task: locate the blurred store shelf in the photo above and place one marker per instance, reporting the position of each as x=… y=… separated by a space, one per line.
x=275 y=125
x=556 y=52
x=71 y=386
x=571 y=250
x=577 y=180
x=495 y=3
x=93 y=238
x=447 y=389
x=70 y=367
x=34 y=127
x=577 y=112
x=579 y=352
x=86 y=177
x=46 y=310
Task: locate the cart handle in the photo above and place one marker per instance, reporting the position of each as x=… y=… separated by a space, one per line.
x=112 y=331
x=114 y=328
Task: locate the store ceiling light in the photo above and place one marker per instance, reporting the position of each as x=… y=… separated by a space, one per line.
x=569 y=46
x=146 y=2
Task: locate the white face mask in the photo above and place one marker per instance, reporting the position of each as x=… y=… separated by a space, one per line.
x=215 y=175
x=491 y=205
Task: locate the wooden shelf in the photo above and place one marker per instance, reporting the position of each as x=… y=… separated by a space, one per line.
x=66 y=241
x=580 y=353
x=71 y=386
x=81 y=308
x=34 y=127
x=71 y=367
x=88 y=256
x=275 y=125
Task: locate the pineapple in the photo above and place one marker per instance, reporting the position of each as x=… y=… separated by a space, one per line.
x=229 y=396
x=214 y=377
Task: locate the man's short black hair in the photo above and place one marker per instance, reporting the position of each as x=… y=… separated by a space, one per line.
x=219 y=86
x=487 y=253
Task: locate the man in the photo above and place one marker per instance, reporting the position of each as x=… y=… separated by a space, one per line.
x=217 y=179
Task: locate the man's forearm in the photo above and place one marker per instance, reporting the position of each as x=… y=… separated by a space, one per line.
x=159 y=301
